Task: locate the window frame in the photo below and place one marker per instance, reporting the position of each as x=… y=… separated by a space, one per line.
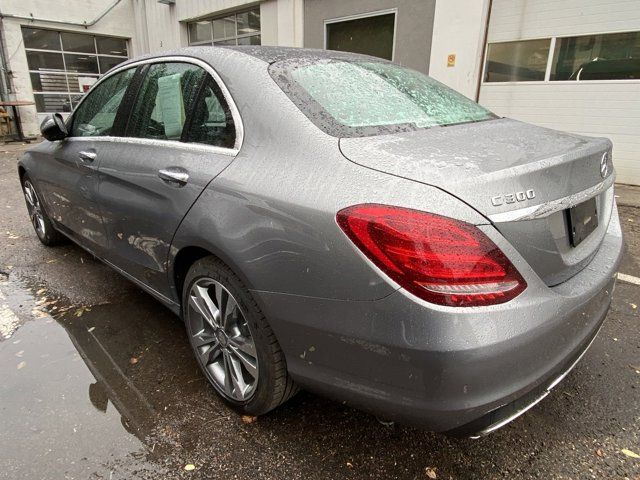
x=550 y=40
x=359 y=16
x=134 y=88
x=64 y=74
x=235 y=37
x=552 y=48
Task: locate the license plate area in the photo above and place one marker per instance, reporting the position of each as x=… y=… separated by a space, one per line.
x=582 y=219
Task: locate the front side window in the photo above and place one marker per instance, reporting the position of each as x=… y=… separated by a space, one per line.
x=359 y=98
x=613 y=56
x=97 y=113
x=523 y=60
x=166 y=95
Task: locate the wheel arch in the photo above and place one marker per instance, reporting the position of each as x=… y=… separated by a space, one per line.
x=185 y=256
x=21 y=171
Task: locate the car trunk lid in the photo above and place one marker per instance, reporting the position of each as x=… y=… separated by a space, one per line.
x=522 y=177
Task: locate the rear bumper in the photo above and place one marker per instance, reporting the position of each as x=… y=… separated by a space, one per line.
x=501 y=416
x=448 y=369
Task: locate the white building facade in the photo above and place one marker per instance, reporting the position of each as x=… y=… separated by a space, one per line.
x=571 y=65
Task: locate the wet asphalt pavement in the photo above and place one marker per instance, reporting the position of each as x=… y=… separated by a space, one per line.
x=97 y=381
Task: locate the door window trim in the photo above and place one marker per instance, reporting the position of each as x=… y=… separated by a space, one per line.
x=237 y=119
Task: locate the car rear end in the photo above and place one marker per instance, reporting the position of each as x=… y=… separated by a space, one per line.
x=498 y=310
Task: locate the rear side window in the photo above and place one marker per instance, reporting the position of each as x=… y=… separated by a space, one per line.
x=97 y=113
x=211 y=122
x=167 y=93
x=181 y=102
x=360 y=98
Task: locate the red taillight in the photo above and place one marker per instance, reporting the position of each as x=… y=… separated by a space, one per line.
x=438 y=259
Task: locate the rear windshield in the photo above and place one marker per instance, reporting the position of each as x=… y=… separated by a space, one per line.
x=360 y=98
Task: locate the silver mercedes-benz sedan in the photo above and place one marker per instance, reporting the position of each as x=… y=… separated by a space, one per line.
x=339 y=223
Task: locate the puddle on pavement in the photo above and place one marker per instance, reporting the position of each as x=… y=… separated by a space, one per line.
x=84 y=388
x=112 y=391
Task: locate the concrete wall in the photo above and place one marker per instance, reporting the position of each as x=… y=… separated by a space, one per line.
x=514 y=19
x=166 y=26
x=414 y=25
x=463 y=36
x=609 y=108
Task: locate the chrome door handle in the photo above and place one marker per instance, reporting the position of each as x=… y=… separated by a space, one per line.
x=87 y=156
x=174 y=176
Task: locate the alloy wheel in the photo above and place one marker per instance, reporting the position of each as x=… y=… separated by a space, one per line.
x=222 y=341
x=35 y=208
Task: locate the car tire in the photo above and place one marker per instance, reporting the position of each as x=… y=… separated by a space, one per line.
x=216 y=343
x=40 y=221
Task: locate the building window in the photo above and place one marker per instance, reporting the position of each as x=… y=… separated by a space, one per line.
x=370 y=34
x=612 y=56
x=237 y=29
x=64 y=65
x=608 y=56
x=524 y=60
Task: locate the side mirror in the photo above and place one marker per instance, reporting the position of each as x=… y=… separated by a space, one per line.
x=53 y=128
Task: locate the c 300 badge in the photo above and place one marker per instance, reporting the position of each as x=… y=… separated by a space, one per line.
x=507 y=198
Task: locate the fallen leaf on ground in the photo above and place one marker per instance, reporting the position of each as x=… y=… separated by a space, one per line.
x=189 y=466
x=349 y=464
x=133 y=360
x=37 y=313
x=599 y=452
x=248 y=418
x=22 y=365
x=629 y=453
x=430 y=472
x=633 y=305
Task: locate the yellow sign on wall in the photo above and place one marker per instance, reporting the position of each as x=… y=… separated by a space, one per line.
x=451 y=60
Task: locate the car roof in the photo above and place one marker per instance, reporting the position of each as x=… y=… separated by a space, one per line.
x=214 y=54
x=274 y=54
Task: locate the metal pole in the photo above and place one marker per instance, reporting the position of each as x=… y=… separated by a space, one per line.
x=4 y=68
x=484 y=50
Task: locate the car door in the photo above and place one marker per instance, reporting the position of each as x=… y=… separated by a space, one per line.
x=180 y=135
x=70 y=180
